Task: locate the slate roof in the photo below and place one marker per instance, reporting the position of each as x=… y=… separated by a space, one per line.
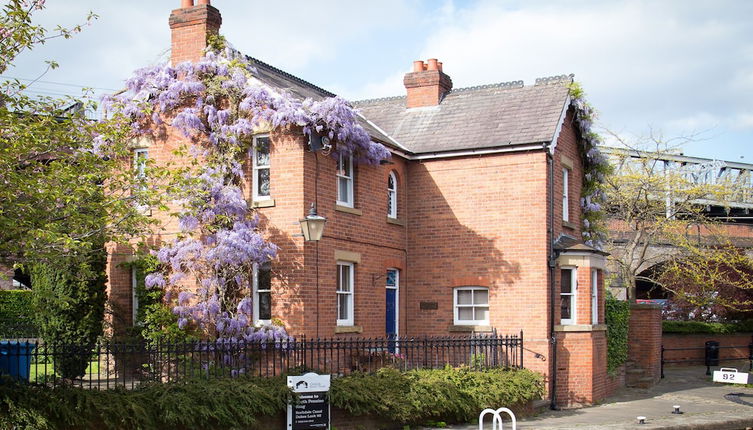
x=471 y=118
x=566 y=243
x=284 y=81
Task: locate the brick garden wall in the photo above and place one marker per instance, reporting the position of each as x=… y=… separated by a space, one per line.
x=695 y=357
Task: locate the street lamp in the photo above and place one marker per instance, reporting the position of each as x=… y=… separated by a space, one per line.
x=313 y=225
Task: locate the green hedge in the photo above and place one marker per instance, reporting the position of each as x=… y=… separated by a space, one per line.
x=691 y=327
x=16 y=313
x=404 y=397
x=617 y=316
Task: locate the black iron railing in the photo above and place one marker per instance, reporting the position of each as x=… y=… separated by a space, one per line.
x=107 y=365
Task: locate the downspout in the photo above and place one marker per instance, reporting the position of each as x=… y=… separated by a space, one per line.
x=552 y=264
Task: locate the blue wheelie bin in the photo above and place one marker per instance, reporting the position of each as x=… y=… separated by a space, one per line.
x=15 y=359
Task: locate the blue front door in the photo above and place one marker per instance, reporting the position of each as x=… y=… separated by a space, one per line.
x=391 y=307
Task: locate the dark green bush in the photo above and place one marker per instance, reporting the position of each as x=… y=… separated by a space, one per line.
x=691 y=327
x=69 y=301
x=618 y=319
x=401 y=397
x=16 y=314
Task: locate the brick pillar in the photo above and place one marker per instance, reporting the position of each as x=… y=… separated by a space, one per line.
x=190 y=26
x=427 y=84
x=644 y=345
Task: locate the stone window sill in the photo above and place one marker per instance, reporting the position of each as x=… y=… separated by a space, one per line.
x=268 y=203
x=348 y=329
x=580 y=327
x=395 y=221
x=470 y=328
x=353 y=211
x=569 y=225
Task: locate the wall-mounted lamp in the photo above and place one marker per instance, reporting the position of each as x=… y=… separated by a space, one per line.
x=312 y=226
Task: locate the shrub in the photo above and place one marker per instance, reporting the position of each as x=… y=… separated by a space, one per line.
x=16 y=314
x=69 y=301
x=706 y=327
x=618 y=319
x=404 y=397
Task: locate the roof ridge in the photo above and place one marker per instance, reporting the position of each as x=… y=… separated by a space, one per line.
x=290 y=76
x=379 y=99
x=556 y=79
x=509 y=84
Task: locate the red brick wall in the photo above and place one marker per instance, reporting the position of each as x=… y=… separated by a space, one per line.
x=645 y=339
x=694 y=357
x=481 y=221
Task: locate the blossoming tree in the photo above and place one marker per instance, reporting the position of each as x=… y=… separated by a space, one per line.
x=217 y=103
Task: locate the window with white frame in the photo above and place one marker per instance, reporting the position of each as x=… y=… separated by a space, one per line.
x=471 y=306
x=261 y=168
x=262 y=298
x=566 y=194
x=345 y=180
x=594 y=296
x=568 y=286
x=140 y=161
x=140 y=157
x=392 y=195
x=345 y=275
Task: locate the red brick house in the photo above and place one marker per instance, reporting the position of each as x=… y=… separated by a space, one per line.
x=472 y=226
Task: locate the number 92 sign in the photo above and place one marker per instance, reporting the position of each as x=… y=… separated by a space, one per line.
x=730 y=376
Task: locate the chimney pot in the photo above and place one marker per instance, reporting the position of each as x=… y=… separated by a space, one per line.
x=186 y=3
x=426 y=85
x=206 y=2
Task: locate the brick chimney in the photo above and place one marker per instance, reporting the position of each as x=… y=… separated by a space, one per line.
x=190 y=25
x=426 y=84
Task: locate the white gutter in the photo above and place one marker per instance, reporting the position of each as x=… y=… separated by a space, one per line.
x=558 y=130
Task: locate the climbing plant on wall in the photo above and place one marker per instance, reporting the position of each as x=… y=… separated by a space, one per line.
x=595 y=168
x=216 y=104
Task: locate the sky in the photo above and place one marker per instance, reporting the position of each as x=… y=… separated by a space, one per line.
x=680 y=70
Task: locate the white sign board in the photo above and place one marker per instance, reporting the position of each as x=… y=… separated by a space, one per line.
x=311 y=410
x=730 y=376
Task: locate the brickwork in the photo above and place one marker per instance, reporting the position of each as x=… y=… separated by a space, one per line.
x=694 y=357
x=644 y=342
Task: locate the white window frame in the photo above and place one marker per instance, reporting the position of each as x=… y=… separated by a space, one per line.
x=573 y=293
x=255 y=296
x=348 y=180
x=565 y=194
x=395 y=287
x=594 y=296
x=392 y=196
x=139 y=166
x=350 y=293
x=456 y=307
x=256 y=168
x=134 y=296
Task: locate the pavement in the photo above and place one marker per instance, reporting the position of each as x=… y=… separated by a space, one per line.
x=705 y=405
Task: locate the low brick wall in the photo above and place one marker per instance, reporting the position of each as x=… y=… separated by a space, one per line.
x=694 y=357
x=615 y=381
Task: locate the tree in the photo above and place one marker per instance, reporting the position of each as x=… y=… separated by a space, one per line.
x=63 y=187
x=709 y=282
x=69 y=301
x=652 y=204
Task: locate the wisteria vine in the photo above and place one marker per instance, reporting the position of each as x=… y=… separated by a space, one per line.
x=217 y=103
x=595 y=168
